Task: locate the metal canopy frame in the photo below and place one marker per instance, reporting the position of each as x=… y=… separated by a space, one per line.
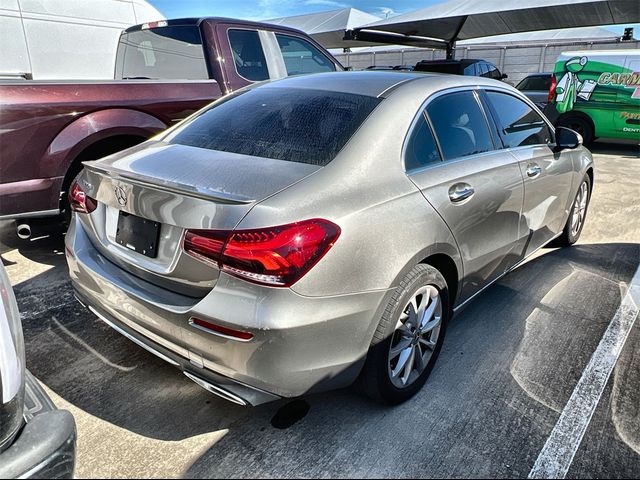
x=442 y=25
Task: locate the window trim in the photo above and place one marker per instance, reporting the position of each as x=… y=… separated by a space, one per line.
x=531 y=105
x=205 y=56
x=414 y=125
x=235 y=67
x=298 y=37
x=423 y=111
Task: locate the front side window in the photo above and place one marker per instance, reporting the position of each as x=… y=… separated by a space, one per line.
x=248 y=55
x=297 y=125
x=421 y=147
x=519 y=124
x=301 y=56
x=173 y=52
x=460 y=125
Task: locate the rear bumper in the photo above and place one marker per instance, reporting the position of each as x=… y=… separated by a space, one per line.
x=300 y=344
x=45 y=448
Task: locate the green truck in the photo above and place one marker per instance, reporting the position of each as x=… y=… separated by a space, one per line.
x=597 y=93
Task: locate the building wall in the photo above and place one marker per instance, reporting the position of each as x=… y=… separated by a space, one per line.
x=516 y=60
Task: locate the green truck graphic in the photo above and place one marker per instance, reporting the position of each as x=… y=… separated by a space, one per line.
x=597 y=93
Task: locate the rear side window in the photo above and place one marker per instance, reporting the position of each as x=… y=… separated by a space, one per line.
x=520 y=125
x=248 y=55
x=421 y=148
x=165 y=52
x=460 y=125
x=301 y=56
x=297 y=125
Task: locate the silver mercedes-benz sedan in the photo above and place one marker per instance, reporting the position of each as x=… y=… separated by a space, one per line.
x=301 y=234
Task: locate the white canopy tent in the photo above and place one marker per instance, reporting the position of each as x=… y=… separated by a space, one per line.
x=328 y=28
x=446 y=23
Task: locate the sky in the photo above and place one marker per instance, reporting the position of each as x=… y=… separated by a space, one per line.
x=266 y=9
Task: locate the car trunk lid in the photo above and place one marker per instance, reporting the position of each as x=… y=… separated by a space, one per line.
x=177 y=187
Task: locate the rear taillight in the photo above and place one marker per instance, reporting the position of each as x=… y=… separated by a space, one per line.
x=552 y=88
x=276 y=256
x=80 y=201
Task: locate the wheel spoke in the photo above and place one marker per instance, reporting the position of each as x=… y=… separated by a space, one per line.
x=409 y=366
x=428 y=343
x=403 y=344
x=429 y=326
x=429 y=312
x=402 y=362
x=419 y=359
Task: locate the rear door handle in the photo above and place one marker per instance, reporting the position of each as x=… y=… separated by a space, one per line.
x=533 y=170
x=460 y=192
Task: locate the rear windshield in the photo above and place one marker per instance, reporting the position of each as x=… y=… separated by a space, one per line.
x=173 y=52
x=297 y=125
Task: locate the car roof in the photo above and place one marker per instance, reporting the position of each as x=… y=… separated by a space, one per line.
x=376 y=83
x=463 y=61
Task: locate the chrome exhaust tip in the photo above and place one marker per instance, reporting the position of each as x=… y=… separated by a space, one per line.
x=24 y=231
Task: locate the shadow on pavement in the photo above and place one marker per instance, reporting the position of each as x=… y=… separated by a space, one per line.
x=509 y=362
x=628 y=150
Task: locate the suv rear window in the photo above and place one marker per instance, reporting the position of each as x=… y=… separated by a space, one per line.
x=297 y=125
x=173 y=52
x=537 y=83
x=449 y=67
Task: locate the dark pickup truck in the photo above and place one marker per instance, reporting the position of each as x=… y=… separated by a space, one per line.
x=164 y=72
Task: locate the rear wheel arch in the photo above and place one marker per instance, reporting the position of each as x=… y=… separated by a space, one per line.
x=449 y=270
x=98 y=149
x=590 y=174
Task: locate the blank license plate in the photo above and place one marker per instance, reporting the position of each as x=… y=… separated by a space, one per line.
x=138 y=234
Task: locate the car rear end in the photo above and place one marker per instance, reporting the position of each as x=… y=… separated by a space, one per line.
x=36 y=439
x=157 y=247
x=537 y=88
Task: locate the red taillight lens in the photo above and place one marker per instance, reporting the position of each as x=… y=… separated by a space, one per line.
x=79 y=201
x=205 y=245
x=219 y=329
x=276 y=256
x=552 y=89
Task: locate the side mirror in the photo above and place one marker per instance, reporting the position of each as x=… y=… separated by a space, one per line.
x=503 y=76
x=567 y=138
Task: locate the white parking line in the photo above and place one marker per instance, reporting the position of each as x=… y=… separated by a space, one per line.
x=561 y=446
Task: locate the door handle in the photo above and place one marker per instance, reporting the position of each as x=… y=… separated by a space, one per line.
x=460 y=192
x=533 y=170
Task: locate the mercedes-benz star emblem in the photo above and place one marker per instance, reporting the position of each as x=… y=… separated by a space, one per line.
x=121 y=196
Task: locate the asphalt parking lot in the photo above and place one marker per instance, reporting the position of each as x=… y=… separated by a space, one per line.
x=509 y=365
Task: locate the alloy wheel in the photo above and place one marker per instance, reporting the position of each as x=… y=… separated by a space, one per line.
x=579 y=209
x=415 y=337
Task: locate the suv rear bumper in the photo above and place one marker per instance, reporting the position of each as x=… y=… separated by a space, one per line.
x=46 y=446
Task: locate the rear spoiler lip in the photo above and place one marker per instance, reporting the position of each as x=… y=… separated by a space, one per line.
x=177 y=188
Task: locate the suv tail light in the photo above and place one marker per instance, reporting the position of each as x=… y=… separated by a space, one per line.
x=79 y=201
x=276 y=256
x=552 y=88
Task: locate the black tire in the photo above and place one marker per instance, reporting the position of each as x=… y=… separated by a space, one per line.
x=568 y=237
x=375 y=378
x=579 y=123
